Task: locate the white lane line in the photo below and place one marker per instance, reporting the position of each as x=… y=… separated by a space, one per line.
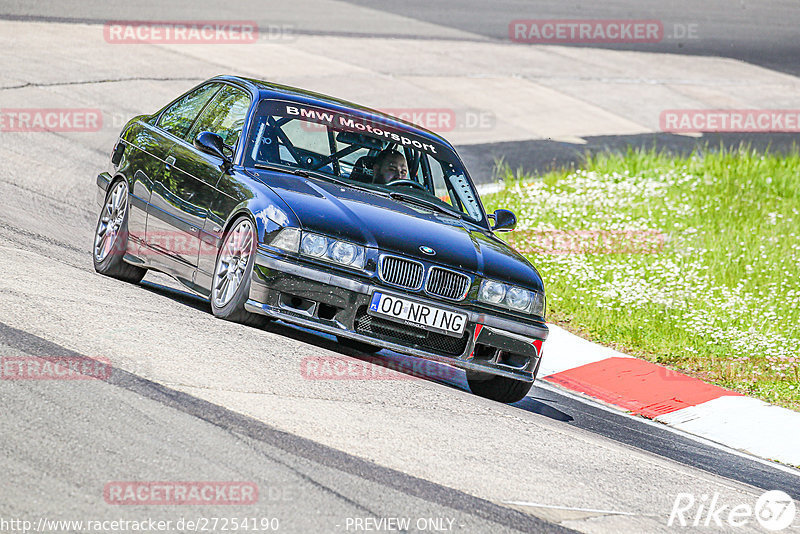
x=570 y=508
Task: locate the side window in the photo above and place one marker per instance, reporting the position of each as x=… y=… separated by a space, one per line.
x=178 y=118
x=224 y=116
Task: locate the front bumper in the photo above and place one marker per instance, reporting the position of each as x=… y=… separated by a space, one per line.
x=326 y=301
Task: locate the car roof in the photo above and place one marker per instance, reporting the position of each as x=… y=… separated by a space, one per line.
x=273 y=90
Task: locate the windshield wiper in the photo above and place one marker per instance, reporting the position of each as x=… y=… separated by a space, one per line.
x=306 y=173
x=402 y=197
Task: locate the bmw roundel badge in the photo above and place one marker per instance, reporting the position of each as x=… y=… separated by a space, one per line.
x=427 y=250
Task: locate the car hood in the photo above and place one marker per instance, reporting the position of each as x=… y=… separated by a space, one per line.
x=399 y=227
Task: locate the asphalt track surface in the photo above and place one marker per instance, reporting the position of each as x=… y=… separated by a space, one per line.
x=759 y=33
x=764 y=33
x=314 y=486
x=194 y=398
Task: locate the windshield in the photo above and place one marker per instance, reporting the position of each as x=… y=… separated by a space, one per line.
x=365 y=153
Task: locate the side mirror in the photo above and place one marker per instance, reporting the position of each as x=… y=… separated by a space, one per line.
x=504 y=220
x=212 y=143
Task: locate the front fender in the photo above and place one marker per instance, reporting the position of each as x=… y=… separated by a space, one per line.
x=245 y=195
x=269 y=212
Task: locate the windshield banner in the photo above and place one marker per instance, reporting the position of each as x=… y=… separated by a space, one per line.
x=349 y=123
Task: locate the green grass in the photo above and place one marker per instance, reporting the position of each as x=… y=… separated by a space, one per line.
x=697 y=266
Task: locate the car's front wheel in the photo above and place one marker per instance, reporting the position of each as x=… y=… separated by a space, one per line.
x=497 y=388
x=232 y=274
x=111 y=237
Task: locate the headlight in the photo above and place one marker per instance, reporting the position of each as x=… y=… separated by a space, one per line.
x=342 y=252
x=538 y=306
x=518 y=299
x=492 y=292
x=333 y=250
x=512 y=297
x=287 y=239
x=314 y=245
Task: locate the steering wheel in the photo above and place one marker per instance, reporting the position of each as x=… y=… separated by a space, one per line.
x=410 y=183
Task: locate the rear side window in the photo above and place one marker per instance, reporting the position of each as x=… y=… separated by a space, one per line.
x=178 y=118
x=224 y=116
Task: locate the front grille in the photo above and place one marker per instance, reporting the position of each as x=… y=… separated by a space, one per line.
x=401 y=272
x=409 y=336
x=447 y=284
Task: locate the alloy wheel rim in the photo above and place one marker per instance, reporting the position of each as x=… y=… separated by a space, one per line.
x=111 y=219
x=232 y=263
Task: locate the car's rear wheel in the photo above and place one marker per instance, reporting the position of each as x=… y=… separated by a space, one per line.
x=232 y=274
x=358 y=345
x=497 y=388
x=111 y=237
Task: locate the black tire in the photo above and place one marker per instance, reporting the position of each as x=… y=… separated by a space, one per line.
x=110 y=262
x=233 y=309
x=498 y=388
x=360 y=346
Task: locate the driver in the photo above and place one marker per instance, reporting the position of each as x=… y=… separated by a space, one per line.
x=389 y=165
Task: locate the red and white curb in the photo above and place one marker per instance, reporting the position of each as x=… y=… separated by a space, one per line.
x=679 y=401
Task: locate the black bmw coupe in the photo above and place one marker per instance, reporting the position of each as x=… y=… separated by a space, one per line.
x=279 y=203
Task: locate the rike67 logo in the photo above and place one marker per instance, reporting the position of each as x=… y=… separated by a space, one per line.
x=774 y=511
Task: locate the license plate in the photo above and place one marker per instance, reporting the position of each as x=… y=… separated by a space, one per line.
x=417 y=314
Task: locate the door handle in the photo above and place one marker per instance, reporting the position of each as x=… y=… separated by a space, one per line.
x=170 y=161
